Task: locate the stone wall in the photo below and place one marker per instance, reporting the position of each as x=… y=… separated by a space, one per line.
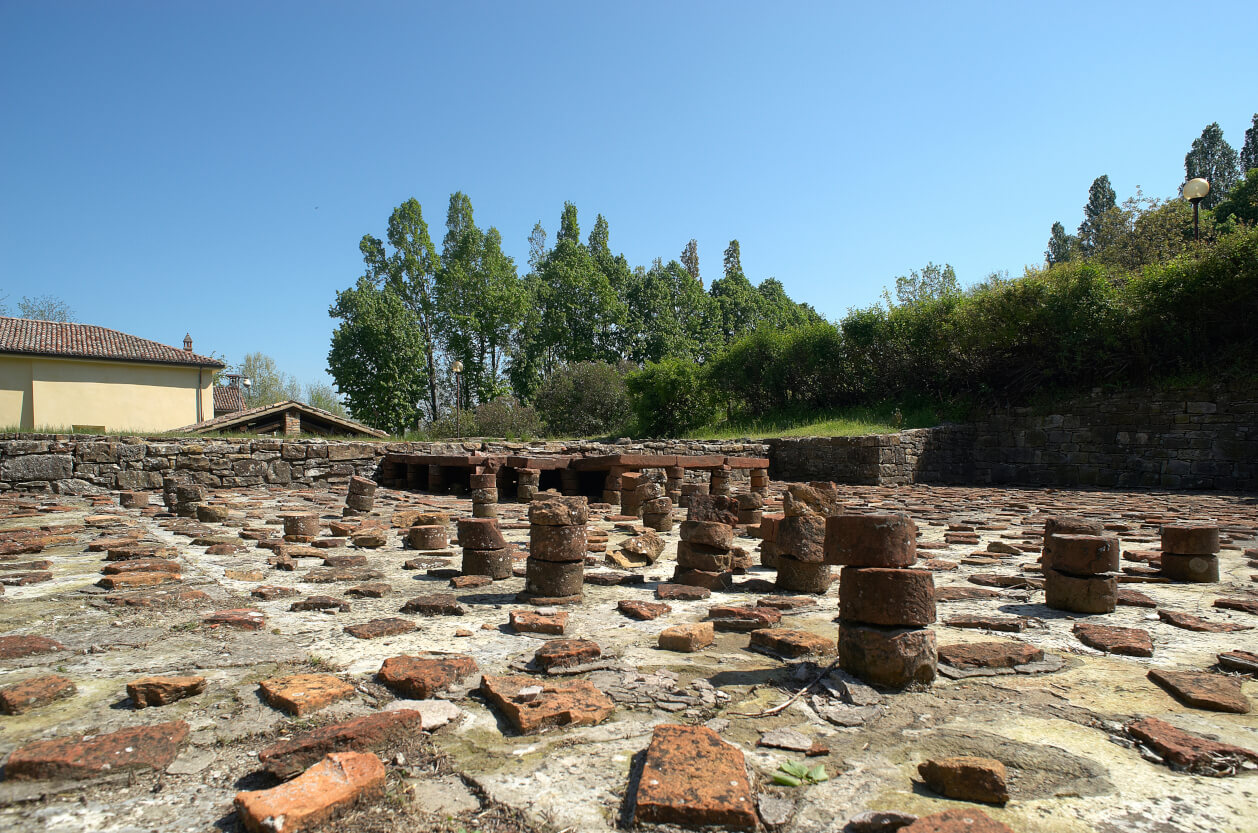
x=1196 y=438
x=84 y=464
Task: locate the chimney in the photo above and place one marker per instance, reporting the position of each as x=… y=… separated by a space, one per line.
x=187 y=342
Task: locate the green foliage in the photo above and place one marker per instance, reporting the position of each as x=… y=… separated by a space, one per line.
x=1144 y=231
x=1215 y=161
x=1249 y=151
x=932 y=282
x=1061 y=246
x=1241 y=203
x=585 y=399
x=671 y=397
x=506 y=417
x=795 y=773
x=268 y=384
x=378 y=356
x=1101 y=199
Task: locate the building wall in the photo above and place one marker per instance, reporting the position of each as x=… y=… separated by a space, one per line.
x=40 y=392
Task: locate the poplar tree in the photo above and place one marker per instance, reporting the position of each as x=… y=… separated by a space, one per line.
x=1249 y=151
x=1101 y=199
x=1060 y=245
x=690 y=259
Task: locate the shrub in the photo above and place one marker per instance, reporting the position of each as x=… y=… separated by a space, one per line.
x=671 y=397
x=586 y=399
x=506 y=417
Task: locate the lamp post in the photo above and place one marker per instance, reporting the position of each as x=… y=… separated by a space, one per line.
x=457 y=367
x=1195 y=191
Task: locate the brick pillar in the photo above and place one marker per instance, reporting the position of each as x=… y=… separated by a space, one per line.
x=292 y=424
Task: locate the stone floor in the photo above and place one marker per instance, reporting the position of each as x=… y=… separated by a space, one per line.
x=1057 y=724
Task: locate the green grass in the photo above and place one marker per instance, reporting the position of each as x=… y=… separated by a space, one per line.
x=849 y=422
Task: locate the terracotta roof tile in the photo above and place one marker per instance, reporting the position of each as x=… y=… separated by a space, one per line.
x=87 y=341
x=227 y=400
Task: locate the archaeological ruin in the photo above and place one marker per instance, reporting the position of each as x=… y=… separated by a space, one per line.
x=1037 y=624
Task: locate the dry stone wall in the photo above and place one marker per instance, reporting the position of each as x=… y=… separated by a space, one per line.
x=86 y=464
x=1198 y=438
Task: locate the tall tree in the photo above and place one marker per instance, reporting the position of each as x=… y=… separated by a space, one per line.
x=45 y=308
x=268 y=384
x=1101 y=198
x=733 y=259
x=690 y=259
x=1060 y=245
x=1215 y=161
x=411 y=269
x=537 y=246
x=378 y=356
x=1249 y=151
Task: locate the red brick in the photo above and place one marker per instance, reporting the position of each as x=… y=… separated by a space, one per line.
x=708 y=534
x=434 y=604
x=989 y=654
x=241 y=618
x=1203 y=690
x=1195 y=623
x=16 y=647
x=566 y=653
x=480 y=534
x=693 y=778
x=422 y=677
x=871 y=540
x=378 y=628
x=559 y=511
x=891 y=597
x=1089 y=594
x=642 y=610
x=967 y=778
x=681 y=592
x=569 y=703
x=1085 y=555
x=892 y=657
x=32 y=693
x=362 y=734
x=300 y=694
x=687 y=638
x=743 y=619
x=1186 y=750
x=160 y=691
x=327 y=789
x=1190 y=539
x=789 y=642
x=527 y=621
x=1131 y=642
x=957 y=821
x=562 y=543
x=802 y=537
x=88 y=756
x=1198 y=569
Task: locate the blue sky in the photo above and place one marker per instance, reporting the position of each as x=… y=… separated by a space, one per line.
x=172 y=167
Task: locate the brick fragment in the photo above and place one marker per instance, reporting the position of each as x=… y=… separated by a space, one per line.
x=422 y=677
x=160 y=691
x=87 y=756
x=377 y=628
x=692 y=778
x=527 y=621
x=16 y=647
x=687 y=638
x=681 y=592
x=531 y=705
x=21 y=697
x=1203 y=690
x=240 y=618
x=434 y=604
x=322 y=792
x=967 y=778
x=642 y=610
x=965 y=820
x=566 y=653
x=300 y=694
x=792 y=643
x=989 y=654
x=1188 y=751
x=362 y=734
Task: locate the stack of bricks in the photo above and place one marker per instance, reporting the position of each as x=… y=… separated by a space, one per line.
x=704 y=557
x=485 y=551
x=484 y=494
x=657 y=509
x=630 y=504
x=188 y=496
x=750 y=509
x=428 y=531
x=170 y=493
x=528 y=481
x=555 y=571
x=301 y=529
x=613 y=483
x=676 y=478
x=1190 y=552
x=718 y=484
x=799 y=549
x=436 y=478
x=1080 y=566
x=768 y=533
x=760 y=481
x=361 y=498
x=884 y=608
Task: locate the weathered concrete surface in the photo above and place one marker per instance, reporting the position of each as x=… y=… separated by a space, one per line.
x=1059 y=733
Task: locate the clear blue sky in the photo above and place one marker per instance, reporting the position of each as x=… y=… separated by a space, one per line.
x=209 y=167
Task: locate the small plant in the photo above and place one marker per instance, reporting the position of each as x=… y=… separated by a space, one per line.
x=795 y=773
x=318 y=661
x=190 y=625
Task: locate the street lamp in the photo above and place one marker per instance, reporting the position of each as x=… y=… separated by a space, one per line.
x=457 y=367
x=1195 y=191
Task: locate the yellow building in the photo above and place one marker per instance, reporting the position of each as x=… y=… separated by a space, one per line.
x=56 y=375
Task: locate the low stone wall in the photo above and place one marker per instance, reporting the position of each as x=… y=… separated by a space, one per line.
x=1195 y=438
x=84 y=464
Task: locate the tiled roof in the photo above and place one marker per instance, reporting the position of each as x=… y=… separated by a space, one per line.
x=87 y=341
x=227 y=400
x=240 y=419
